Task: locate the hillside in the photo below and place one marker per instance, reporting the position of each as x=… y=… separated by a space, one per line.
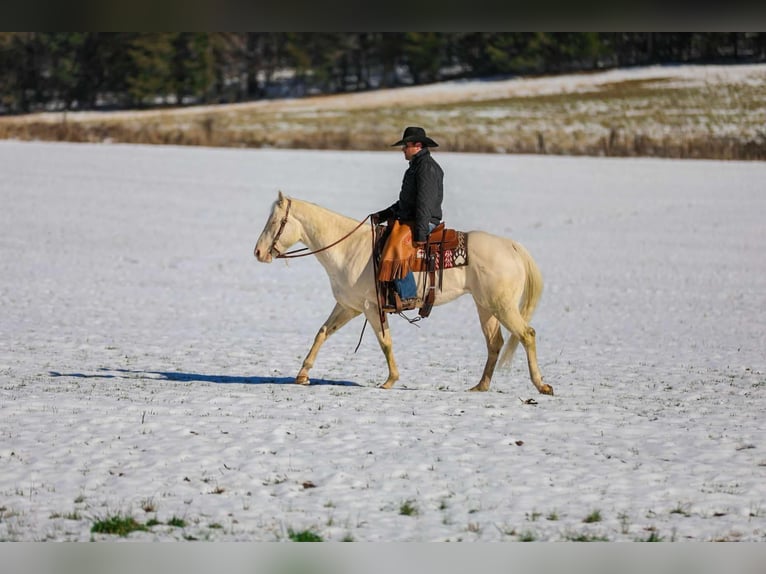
x=713 y=112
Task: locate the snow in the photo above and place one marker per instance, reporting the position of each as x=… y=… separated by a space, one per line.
x=147 y=359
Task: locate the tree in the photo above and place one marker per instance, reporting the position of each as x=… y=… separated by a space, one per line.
x=150 y=76
x=424 y=54
x=192 y=68
x=81 y=70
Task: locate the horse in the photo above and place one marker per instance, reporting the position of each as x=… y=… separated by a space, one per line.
x=501 y=276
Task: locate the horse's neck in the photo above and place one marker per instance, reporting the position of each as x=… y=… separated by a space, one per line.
x=321 y=227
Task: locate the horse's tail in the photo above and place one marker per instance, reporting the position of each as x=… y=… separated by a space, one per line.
x=533 y=290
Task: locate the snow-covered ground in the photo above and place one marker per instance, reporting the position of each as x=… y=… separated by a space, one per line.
x=146 y=358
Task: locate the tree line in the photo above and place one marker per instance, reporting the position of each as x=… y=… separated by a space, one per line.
x=99 y=70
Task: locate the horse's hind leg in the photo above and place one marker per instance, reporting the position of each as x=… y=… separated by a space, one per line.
x=515 y=323
x=490 y=326
x=340 y=316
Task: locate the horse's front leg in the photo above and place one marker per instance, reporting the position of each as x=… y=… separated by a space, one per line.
x=386 y=344
x=340 y=316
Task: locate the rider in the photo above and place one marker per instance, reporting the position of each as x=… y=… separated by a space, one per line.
x=420 y=199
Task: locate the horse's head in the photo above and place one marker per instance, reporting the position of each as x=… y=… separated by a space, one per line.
x=280 y=233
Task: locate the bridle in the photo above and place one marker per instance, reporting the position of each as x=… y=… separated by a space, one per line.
x=280 y=230
x=292 y=254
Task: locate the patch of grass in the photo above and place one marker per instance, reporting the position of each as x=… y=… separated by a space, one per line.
x=177 y=522
x=682 y=509
x=584 y=537
x=118 y=524
x=553 y=516
x=408 y=508
x=654 y=536
x=304 y=536
x=527 y=536
x=594 y=516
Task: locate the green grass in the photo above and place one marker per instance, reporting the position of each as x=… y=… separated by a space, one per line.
x=586 y=538
x=594 y=516
x=118 y=524
x=304 y=536
x=177 y=522
x=682 y=509
x=408 y=508
x=654 y=536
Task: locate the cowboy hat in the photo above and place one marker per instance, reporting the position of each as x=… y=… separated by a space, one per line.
x=416 y=134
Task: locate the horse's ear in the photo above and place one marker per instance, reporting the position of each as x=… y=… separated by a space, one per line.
x=281 y=198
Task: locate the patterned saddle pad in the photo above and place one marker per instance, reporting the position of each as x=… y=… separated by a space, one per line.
x=447 y=252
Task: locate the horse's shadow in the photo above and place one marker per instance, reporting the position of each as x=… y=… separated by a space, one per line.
x=175 y=376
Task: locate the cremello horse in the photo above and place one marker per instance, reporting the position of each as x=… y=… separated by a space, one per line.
x=501 y=276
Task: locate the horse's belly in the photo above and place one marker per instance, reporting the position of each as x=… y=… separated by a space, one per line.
x=453 y=285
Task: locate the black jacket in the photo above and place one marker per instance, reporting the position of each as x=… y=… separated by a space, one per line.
x=420 y=199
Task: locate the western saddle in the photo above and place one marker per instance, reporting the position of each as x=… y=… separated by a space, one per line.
x=394 y=255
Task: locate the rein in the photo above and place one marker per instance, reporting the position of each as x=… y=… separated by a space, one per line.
x=293 y=254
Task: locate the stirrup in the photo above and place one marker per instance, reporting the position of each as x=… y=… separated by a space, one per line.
x=399 y=304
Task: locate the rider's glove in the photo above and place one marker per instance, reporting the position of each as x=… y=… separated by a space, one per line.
x=382 y=215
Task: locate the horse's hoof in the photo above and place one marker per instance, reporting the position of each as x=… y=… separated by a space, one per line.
x=478 y=389
x=387 y=385
x=546 y=390
x=302 y=380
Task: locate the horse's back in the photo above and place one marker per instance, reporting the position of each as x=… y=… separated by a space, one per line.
x=489 y=251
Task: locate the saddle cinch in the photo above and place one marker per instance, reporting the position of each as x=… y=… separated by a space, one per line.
x=395 y=256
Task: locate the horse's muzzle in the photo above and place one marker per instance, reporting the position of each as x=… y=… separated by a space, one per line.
x=263 y=257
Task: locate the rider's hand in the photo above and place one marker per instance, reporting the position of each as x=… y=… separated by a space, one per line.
x=383 y=215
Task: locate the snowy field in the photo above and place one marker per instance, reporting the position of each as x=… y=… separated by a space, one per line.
x=147 y=359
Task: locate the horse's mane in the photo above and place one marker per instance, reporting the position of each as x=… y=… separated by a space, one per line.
x=324 y=212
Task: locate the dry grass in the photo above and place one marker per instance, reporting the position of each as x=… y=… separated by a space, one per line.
x=658 y=117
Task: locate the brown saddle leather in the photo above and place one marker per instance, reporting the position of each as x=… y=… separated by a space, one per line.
x=400 y=256
x=395 y=256
x=440 y=241
x=446 y=238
